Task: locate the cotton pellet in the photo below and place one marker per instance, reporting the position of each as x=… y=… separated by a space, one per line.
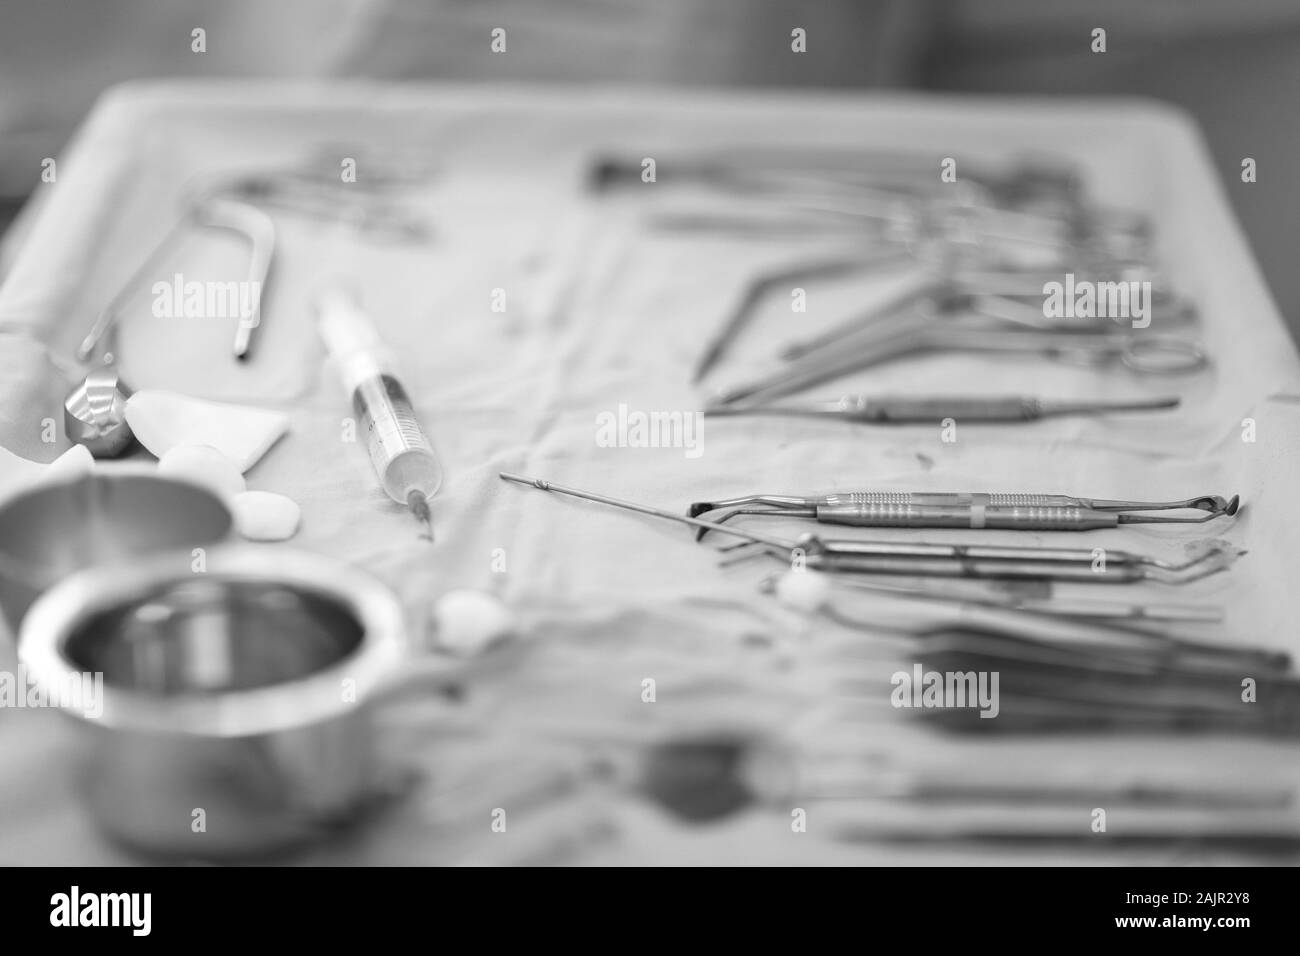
x=467 y=622
x=805 y=591
x=265 y=516
x=203 y=465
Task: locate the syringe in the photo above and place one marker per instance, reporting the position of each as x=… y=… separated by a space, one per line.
x=400 y=453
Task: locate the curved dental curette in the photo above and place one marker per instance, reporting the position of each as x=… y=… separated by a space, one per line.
x=979 y=510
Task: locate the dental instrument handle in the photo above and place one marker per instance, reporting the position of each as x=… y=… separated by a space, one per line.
x=995 y=408
x=950 y=499
x=1001 y=517
x=991 y=552
x=400 y=452
x=835 y=561
x=935 y=410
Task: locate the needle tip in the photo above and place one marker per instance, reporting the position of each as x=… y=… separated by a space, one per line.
x=419 y=506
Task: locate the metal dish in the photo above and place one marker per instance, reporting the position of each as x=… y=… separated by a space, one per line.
x=109 y=516
x=236 y=704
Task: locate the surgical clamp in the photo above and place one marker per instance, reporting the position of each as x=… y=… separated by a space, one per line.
x=997 y=511
x=942 y=560
x=908 y=410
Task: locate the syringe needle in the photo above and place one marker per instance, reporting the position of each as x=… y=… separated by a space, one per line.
x=419 y=506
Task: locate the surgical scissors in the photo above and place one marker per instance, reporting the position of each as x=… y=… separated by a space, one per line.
x=940 y=560
x=1001 y=511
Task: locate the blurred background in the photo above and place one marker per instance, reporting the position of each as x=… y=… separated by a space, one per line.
x=1231 y=65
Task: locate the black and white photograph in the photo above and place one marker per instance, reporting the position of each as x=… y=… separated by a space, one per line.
x=650 y=434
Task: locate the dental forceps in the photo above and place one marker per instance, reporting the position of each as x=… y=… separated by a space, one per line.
x=908 y=410
x=760 y=288
x=209 y=212
x=1014 y=296
x=1140 y=352
x=1014 y=299
x=939 y=560
x=998 y=511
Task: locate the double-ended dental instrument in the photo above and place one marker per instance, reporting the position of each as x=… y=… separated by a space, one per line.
x=997 y=511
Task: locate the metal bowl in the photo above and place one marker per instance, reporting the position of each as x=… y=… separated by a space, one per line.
x=109 y=516
x=235 y=712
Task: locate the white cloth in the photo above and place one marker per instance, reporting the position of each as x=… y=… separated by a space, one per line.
x=522 y=390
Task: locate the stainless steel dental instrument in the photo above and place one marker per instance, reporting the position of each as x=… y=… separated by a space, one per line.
x=209 y=212
x=927 y=410
x=1011 y=184
x=259 y=229
x=1003 y=297
x=757 y=290
x=1064 y=686
x=1086 y=627
x=1009 y=218
x=941 y=560
x=1000 y=511
x=1086 y=608
x=106 y=320
x=93 y=410
x=1139 y=351
x=998 y=561
x=401 y=455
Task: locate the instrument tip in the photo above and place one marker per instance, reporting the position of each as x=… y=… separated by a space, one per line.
x=524 y=480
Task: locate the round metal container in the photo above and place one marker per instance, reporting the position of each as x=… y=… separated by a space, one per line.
x=236 y=706
x=108 y=516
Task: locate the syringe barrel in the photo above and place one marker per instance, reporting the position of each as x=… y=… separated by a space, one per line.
x=400 y=453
